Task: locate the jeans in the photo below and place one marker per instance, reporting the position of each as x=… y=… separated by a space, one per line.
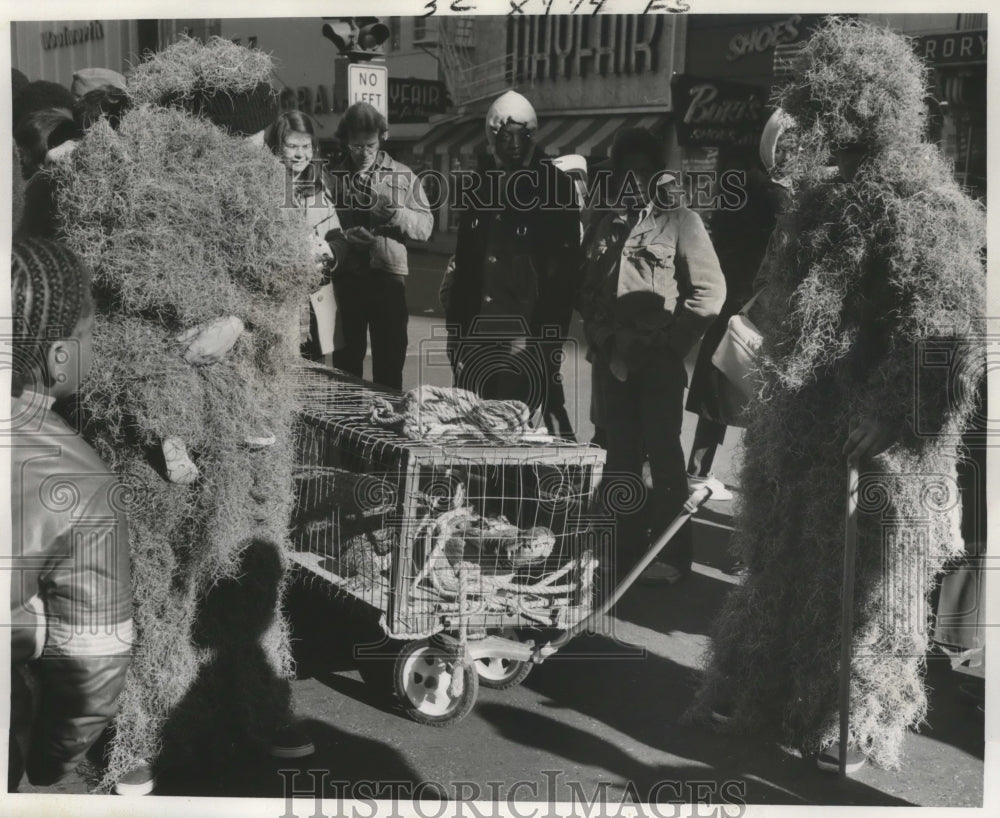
x=524 y=370
x=708 y=436
x=373 y=303
x=643 y=419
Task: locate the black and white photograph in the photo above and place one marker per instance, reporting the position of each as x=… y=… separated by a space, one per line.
x=497 y=408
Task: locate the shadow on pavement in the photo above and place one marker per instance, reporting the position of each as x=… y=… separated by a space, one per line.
x=645 y=700
x=953 y=718
x=339 y=757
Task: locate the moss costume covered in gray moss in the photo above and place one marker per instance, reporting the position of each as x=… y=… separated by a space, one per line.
x=182 y=224
x=875 y=288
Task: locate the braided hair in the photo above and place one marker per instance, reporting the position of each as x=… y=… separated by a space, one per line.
x=50 y=294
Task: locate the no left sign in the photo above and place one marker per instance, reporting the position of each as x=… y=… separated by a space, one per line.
x=368 y=83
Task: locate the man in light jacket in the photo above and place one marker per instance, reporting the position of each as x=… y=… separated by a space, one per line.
x=381 y=206
x=652 y=285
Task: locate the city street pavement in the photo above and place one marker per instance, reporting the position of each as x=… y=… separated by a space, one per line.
x=603 y=719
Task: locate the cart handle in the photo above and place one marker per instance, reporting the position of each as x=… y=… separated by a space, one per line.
x=691 y=506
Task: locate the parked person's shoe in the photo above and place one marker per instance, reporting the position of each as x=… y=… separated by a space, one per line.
x=719 y=490
x=829 y=759
x=292 y=741
x=662 y=572
x=140 y=780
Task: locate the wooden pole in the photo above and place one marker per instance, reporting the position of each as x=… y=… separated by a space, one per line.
x=847 y=612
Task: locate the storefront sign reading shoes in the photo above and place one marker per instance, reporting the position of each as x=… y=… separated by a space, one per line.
x=718 y=113
x=764 y=37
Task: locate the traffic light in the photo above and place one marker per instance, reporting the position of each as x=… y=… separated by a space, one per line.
x=358 y=38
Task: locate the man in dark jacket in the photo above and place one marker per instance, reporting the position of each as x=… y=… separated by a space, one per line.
x=516 y=269
x=381 y=206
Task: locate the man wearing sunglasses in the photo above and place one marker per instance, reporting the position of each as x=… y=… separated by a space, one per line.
x=381 y=206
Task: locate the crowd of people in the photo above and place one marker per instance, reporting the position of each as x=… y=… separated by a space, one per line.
x=650 y=283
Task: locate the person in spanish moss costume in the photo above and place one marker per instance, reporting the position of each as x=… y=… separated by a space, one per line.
x=199 y=271
x=872 y=299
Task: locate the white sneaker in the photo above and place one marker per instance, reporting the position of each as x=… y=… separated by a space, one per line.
x=140 y=780
x=829 y=760
x=292 y=741
x=719 y=490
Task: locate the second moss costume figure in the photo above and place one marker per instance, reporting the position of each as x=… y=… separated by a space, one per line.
x=874 y=287
x=199 y=271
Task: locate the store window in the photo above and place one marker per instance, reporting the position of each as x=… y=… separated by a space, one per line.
x=394 y=34
x=172 y=30
x=419 y=29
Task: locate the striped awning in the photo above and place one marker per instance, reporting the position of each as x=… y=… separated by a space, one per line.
x=589 y=135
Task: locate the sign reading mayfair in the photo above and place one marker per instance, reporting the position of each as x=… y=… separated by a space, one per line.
x=414 y=100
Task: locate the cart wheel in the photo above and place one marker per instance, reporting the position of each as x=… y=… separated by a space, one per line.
x=502 y=674
x=423 y=677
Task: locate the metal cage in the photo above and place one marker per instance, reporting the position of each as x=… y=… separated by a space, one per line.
x=439 y=536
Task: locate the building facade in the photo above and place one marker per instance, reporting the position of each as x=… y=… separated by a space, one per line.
x=54 y=49
x=304 y=60
x=954 y=48
x=587 y=76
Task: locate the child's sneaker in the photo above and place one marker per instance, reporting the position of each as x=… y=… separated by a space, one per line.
x=719 y=490
x=829 y=759
x=140 y=780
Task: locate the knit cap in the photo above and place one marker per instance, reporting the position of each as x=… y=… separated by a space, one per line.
x=239 y=114
x=90 y=79
x=50 y=294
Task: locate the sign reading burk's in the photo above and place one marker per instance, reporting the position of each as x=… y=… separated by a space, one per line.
x=718 y=113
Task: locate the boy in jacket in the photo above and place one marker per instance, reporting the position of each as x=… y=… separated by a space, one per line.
x=652 y=285
x=71 y=604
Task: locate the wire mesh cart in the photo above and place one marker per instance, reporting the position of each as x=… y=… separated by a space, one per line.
x=461 y=545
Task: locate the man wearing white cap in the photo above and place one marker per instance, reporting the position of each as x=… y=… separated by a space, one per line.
x=90 y=79
x=516 y=266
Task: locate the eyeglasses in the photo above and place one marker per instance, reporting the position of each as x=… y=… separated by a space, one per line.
x=371 y=147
